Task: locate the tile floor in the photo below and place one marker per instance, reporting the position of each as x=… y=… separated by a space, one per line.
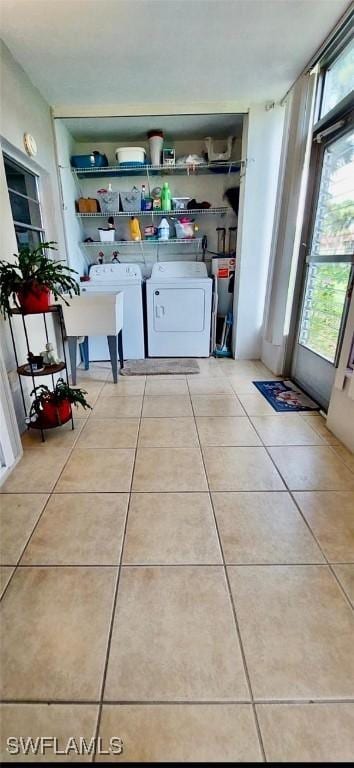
x=179 y=572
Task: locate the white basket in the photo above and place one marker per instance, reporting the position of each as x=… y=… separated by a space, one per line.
x=107 y=235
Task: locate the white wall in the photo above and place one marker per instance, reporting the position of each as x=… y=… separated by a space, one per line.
x=65 y=147
x=285 y=250
x=263 y=137
x=24 y=110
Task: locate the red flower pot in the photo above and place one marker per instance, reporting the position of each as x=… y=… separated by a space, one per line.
x=54 y=414
x=35 y=299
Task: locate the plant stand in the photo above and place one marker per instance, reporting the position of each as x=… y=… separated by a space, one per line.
x=49 y=370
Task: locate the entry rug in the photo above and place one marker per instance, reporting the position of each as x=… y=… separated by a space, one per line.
x=285 y=396
x=154 y=366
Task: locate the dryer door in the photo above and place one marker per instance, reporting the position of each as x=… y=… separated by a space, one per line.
x=177 y=310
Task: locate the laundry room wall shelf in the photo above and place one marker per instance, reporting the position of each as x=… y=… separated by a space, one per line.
x=214 y=211
x=227 y=167
x=191 y=241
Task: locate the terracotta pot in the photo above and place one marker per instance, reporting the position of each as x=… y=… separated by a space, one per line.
x=54 y=414
x=34 y=300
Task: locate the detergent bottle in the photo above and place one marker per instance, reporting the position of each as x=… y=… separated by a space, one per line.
x=163 y=230
x=166 y=204
x=134 y=227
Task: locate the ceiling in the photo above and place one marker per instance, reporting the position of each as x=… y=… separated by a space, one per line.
x=134 y=128
x=101 y=52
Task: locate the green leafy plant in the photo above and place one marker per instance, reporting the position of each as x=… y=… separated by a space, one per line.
x=62 y=391
x=32 y=270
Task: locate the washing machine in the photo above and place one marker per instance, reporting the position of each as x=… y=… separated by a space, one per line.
x=111 y=278
x=179 y=297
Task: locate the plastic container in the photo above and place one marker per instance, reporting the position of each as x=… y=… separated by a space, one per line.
x=163 y=230
x=184 y=228
x=215 y=157
x=155 y=146
x=135 y=155
x=131 y=201
x=134 y=228
x=107 y=235
x=180 y=203
x=95 y=160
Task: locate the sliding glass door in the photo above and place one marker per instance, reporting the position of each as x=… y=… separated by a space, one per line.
x=328 y=272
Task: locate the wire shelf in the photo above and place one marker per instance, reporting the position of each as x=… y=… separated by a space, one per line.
x=195 y=241
x=228 y=166
x=213 y=211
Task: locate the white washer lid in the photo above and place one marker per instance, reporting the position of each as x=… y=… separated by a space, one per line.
x=115 y=273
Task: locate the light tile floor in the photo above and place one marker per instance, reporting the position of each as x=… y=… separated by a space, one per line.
x=179 y=572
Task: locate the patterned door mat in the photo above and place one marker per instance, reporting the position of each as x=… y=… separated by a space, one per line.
x=285 y=396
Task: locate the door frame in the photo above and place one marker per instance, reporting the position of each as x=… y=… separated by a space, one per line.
x=345 y=115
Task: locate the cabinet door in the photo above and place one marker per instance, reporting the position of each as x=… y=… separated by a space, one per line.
x=179 y=310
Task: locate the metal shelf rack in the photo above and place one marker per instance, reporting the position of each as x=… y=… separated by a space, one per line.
x=194 y=241
x=49 y=370
x=225 y=167
x=213 y=211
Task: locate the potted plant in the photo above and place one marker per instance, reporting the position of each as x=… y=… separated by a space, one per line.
x=29 y=281
x=53 y=408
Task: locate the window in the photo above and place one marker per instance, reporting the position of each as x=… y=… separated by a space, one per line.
x=338 y=79
x=334 y=224
x=25 y=204
x=325 y=297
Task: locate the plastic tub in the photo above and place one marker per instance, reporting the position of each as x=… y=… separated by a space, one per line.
x=135 y=155
x=95 y=160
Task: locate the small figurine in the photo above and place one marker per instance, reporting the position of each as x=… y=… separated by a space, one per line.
x=49 y=355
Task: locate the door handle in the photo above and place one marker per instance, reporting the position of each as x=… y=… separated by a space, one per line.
x=159 y=310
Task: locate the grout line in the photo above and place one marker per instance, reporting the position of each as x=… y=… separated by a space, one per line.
x=291 y=493
x=172 y=702
x=225 y=490
x=45 y=505
x=25 y=547
x=233 y=608
x=115 y=596
x=216 y=564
